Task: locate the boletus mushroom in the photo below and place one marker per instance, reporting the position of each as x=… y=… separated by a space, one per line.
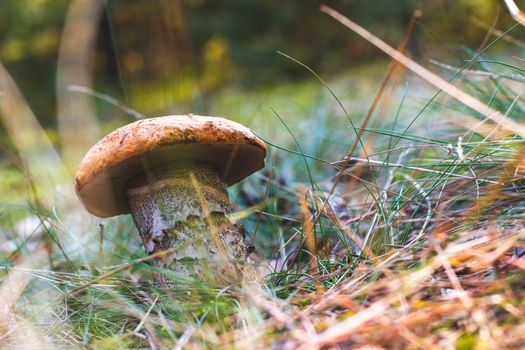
x=171 y=174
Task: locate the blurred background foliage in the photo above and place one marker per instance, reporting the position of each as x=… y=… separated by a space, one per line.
x=176 y=54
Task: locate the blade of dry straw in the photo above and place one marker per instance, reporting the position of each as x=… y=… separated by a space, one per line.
x=428 y=76
x=214 y=229
x=515 y=12
x=36 y=150
x=308 y=228
x=12 y=324
x=10 y=290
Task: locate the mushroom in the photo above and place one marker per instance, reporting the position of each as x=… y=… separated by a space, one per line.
x=171 y=174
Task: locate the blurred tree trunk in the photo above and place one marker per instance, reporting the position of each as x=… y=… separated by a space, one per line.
x=77 y=123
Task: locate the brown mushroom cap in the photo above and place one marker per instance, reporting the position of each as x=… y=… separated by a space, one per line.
x=102 y=175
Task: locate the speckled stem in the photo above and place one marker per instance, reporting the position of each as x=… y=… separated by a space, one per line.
x=187 y=205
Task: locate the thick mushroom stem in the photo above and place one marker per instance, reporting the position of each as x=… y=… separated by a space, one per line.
x=186 y=205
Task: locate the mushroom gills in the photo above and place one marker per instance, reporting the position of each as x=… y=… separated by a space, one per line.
x=186 y=204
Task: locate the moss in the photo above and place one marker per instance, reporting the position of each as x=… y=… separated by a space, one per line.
x=466 y=342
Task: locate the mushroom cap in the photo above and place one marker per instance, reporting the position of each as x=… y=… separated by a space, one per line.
x=111 y=163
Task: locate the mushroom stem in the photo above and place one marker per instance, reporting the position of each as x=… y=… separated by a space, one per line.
x=187 y=205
